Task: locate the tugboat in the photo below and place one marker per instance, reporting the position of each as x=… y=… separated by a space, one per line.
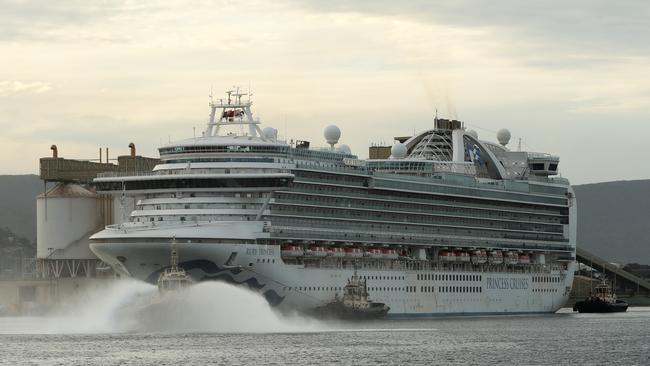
x=173 y=278
x=604 y=301
x=354 y=304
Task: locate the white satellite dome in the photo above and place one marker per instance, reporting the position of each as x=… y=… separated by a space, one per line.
x=332 y=134
x=503 y=136
x=345 y=149
x=270 y=133
x=398 y=151
x=472 y=133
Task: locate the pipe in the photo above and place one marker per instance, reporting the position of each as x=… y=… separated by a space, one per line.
x=55 y=151
x=106 y=155
x=100 y=155
x=132 y=147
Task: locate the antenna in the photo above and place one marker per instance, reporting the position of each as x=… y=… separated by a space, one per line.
x=435 y=119
x=519 y=145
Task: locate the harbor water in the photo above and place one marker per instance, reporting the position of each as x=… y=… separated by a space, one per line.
x=216 y=324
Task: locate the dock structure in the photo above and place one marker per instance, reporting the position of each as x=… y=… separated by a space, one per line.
x=624 y=280
x=57 y=169
x=62 y=238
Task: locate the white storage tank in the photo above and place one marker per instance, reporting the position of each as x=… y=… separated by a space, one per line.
x=66 y=216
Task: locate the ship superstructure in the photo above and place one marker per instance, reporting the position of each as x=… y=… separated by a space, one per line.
x=447 y=224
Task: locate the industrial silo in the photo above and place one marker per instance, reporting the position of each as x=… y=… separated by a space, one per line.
x=67 y=215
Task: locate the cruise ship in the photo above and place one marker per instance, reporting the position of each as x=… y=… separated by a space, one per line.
x=440 y=223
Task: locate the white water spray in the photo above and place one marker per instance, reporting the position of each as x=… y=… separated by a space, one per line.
x=132 y=306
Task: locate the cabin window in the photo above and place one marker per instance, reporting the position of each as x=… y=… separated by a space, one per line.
x=552 y=166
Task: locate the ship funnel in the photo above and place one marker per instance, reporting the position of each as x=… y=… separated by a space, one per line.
x=55 y=151
x=132 y=147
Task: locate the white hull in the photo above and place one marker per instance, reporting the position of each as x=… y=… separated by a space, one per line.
x=441 y=290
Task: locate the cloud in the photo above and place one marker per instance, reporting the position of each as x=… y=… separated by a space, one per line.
x=581 y=31
x=121 y=71
x=10 y=88
x=65 y=21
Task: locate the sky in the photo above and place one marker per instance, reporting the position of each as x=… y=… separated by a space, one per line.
x=571 y=78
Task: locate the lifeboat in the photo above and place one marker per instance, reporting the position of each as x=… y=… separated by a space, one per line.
x=478 y=256
x=388 y=253
x=446 y=256
x=495 y=257
x=353 y=252
x=335 y=252
x=511 y=258
x=524 y=258
x=291 y=251
x=374 y=253
x=316 y=251
x=462 y=256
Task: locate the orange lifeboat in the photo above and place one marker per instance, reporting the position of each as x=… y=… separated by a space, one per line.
x=524 y=258
x=291 y=251
x=353 y=252
x=446 y=256
x=462 y=256
x=374 y=253
x=335 y=252
x=511 y=258
x=478 y=256
x=495 y=257
x=388 y=253
x=316 y=251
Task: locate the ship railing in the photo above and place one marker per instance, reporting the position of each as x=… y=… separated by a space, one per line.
x=542 y=156
x=447 y=213
x=193 y=171
x=338 y=169
x=336 y=233
x=132 y=174
x=503 y=194
x=359 y=195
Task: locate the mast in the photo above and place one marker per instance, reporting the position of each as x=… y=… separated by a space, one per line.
x=233 y=110
x=174 y=256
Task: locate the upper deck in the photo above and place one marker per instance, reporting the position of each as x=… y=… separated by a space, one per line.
x=233 y=143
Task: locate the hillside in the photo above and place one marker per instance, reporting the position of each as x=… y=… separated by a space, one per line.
x=613 y=218
x=18 y=204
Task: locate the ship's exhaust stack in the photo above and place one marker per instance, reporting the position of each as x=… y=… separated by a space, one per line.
x=132 y=147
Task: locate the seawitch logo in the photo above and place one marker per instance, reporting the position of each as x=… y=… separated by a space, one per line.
x=502 y=283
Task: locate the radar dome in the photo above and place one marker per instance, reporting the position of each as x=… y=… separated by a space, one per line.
x=503 y=136
x=270 y=133
x=472 y=133
x=398 y=151
x=345 y=149
x=332 y=135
